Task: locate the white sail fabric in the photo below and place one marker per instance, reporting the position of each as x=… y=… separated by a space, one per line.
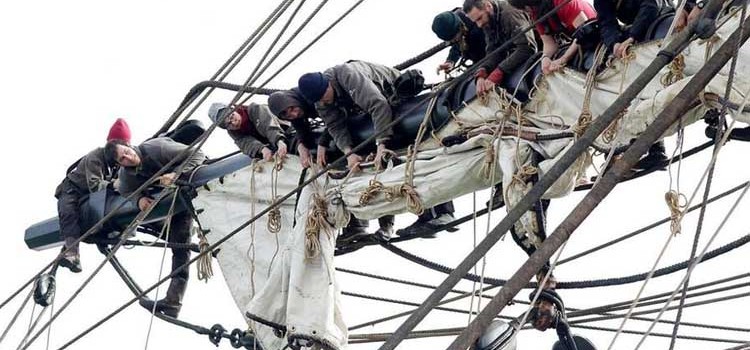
x=272 y=279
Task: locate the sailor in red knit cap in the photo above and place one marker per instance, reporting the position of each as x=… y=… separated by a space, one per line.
x=89 y=174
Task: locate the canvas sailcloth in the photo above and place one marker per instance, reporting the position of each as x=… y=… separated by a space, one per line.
x=272 y=276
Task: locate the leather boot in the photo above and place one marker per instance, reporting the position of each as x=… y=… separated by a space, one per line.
x=170 y=305
x=71 y=259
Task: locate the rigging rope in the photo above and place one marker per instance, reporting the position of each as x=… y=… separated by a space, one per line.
x=166 y=229
x=694 y=264
x=15 y=317
x=228 y=66
x=574 y=284
x=717 y=137
x=717 y=149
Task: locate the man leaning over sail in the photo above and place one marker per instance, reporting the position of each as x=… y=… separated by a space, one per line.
x=356 y=87
x=140 y=163
x=254 y=129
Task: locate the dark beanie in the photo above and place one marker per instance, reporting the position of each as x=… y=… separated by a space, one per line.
x=313 y=86
x=279 y=101
x=446 y=25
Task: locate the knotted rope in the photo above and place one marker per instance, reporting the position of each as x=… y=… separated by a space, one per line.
x=413 y=203
x=204 y=264
x=584 y=119
x=274 y=215
x=489 y=161
x=524 y=173
x=676 y=71
x=677 y=204
x=373 y=189
x=316 y=221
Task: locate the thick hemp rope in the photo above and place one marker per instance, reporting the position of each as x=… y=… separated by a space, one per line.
x=274 y=216
x=316 y=221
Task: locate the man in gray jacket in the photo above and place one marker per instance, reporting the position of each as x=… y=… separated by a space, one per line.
x=90 y=174
x=500 y=22
x=254 y=129
x=348 y=90
x=138 y=164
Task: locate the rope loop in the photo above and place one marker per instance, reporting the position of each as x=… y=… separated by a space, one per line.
x=677 y=203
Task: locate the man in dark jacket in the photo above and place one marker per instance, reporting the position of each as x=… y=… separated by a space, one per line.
x=89 y=174
x=138 y=164
x=500 y=22
x=253 y=128
x=639 y=14
x=467 y=40
x=92 y=174
x=290 y=105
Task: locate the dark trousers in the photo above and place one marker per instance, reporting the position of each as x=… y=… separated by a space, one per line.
x=68 y=212
x=179 y=233
x=440 y=209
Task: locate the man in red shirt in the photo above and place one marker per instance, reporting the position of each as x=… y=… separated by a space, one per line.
x=557 y=27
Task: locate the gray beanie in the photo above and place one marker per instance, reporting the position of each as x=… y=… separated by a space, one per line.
x=215 y=111
x=279 y=101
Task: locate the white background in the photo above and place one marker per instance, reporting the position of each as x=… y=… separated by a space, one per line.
x=69 y=69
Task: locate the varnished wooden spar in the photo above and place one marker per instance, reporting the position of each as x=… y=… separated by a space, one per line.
x=665 y=119
x=704 y=27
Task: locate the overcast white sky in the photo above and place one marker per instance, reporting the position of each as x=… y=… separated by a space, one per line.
x=69 y=69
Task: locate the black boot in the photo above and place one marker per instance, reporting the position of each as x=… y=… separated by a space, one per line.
x=656 y=157
x=497 y=197
x=385 y=231
x=71 y=259
x=355 y=230
x=171 y=304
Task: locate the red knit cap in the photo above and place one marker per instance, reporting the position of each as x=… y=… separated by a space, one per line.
x=119 y=131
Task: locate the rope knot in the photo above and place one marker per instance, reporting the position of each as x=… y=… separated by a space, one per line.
x=489 y=160
x=316 y=220
x=677 y=202
x=524 y=173
x=583 y=123
x=204 y=266
x=274 y=218
x=370 y=192
x=413 y=202
x=676 y=71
